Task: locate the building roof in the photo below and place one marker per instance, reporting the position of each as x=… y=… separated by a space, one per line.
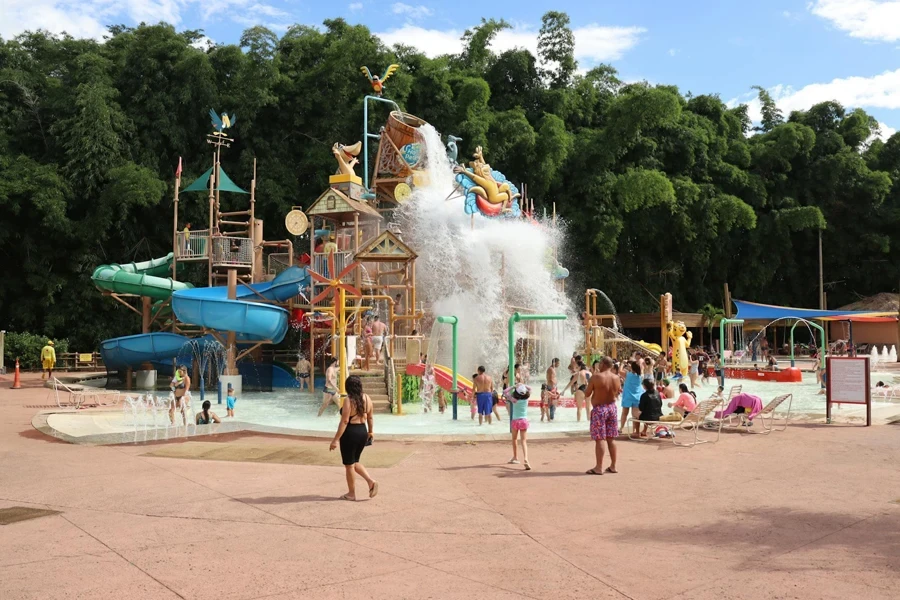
x=385 y=247
x=882 y=302
x=333 y=204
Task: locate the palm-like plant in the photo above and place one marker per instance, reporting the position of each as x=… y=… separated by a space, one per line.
x=711 y=316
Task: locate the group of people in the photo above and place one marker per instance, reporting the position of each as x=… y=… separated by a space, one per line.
x=180 y=386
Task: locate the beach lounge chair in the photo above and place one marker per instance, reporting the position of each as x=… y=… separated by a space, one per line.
x=689 y=427
x=734 y=391
x=67 y=397
x=766 y=417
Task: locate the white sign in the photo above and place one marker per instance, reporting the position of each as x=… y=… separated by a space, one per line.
x=848 y=380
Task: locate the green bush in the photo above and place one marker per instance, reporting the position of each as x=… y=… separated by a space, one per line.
x=27 y=348
x=411 y=389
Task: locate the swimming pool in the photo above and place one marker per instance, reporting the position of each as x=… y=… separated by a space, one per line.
x=294 y=412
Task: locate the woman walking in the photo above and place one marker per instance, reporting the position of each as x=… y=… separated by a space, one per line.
x=355 y=433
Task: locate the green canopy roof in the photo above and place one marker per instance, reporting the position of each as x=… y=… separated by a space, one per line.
x=225 y=183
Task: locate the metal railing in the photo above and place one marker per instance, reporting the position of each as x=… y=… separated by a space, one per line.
x=277 y=263
x=228 y=251
x=341 y=260
x=192 y=245
x=399 y=344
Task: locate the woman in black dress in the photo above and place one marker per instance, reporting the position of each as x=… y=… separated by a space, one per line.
x=355 y=433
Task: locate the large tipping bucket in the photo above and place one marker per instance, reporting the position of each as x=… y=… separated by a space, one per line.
x=402 y=130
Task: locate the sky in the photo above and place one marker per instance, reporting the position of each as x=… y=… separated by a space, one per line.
x=802 y=51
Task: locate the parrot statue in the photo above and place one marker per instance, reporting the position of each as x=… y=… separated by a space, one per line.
x=376 y=81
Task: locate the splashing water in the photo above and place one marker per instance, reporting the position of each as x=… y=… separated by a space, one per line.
x=481 y=271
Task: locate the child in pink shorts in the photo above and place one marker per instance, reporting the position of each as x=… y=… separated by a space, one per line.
x=518 y=397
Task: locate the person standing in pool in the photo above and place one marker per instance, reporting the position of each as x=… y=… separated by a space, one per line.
x=484 y=387
x=602 y=390
x=354 y=433
x=302 y=370
x=230 y=400
x=330 y=394
x=181 y=386
x=552 y=381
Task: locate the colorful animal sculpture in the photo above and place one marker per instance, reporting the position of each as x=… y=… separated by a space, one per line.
x=680 y=341
x=376 y=81
x=222 y=123
x=346 y=157
x=492 y=193
x=452 y=150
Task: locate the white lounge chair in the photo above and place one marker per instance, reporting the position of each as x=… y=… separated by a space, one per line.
x=77 y=398
x=766 y=417
x=689 y=425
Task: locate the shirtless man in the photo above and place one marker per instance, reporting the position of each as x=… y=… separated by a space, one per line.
x=602 y=390
x=552 y=382
x=484 y=396
x=302 y=370
x=378 y=329
x=331 y=393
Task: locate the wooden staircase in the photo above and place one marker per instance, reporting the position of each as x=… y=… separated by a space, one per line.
x=374 y=385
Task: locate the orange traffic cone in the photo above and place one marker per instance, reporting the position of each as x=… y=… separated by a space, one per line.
x=17 y=383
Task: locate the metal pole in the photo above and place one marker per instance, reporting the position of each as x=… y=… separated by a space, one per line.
x=722 y=324
x=821 y=276
x=2 y=350
x=367 y=135
x=453 y=321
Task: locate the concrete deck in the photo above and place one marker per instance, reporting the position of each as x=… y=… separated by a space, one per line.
x=809 y=513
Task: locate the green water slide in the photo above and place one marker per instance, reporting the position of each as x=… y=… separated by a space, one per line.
x=141 y=279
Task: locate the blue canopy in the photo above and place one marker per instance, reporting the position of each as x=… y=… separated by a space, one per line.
x=769 y=312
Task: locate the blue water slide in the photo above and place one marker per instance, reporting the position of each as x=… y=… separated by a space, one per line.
x=132 y=350
x=248 y=314
x=210 y=307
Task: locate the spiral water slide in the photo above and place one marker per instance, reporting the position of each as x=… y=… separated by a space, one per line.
x=250 y=314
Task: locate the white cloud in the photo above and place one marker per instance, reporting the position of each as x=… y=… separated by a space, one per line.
x=672 y=51
x=867 y=19
x=355 y=6
x=204 y=43
x=411 y=12
x=593 y=43
x=79 y=20
x=88 y=19
x=878 y=91
x=886 y=131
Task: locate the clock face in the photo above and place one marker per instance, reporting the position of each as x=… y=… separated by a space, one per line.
x=296 y=222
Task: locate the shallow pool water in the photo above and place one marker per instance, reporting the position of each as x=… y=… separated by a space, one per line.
x=295 y=410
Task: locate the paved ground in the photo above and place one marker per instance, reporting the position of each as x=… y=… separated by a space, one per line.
x=810 y=513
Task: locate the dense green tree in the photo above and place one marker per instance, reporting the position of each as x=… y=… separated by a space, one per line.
x=658 y=191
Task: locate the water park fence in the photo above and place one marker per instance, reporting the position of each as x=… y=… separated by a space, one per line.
x=79 y=361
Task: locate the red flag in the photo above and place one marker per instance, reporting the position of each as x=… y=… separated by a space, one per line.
x=178 y=170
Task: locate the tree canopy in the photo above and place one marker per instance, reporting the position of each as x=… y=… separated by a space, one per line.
x=660 y=190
